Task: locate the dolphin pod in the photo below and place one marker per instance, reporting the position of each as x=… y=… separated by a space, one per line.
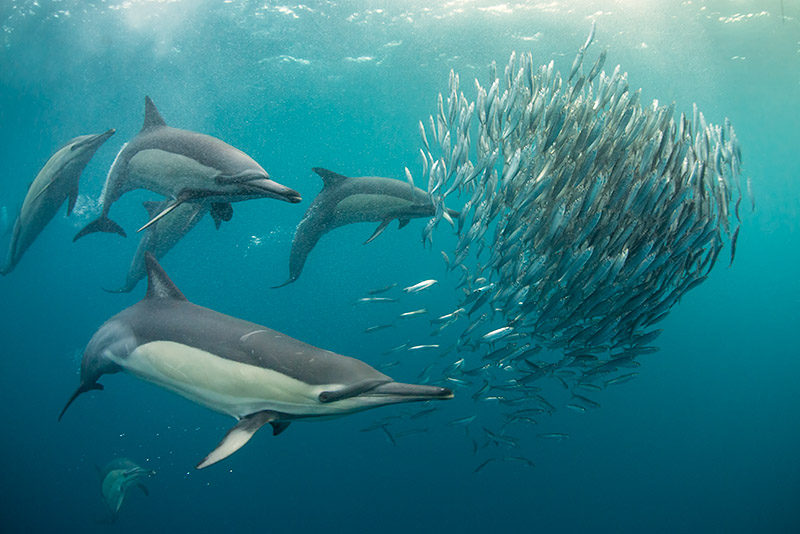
x=55 y=183
x=183 y=166
x=234 y=367
x=116 y=477
x=346 y=200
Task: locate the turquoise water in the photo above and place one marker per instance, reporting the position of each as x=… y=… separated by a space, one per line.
x=704 y=440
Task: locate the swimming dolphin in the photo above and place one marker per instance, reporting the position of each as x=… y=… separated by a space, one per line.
x=346 y=200
x=117 y=476
x=55 y=183
x=234 y=367
x=162 y=236
x=183 y=166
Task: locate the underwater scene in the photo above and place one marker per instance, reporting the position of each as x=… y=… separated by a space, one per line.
x=474 y=266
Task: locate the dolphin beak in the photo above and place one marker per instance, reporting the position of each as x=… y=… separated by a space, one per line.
x=409 y=392
x=95 y=141
x=273 y=189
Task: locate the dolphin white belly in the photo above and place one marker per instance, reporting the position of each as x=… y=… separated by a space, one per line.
x=225 y=386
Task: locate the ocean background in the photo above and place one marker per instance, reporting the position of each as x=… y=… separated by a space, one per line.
x=706 y=439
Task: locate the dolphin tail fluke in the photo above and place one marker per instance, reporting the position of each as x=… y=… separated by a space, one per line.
x=101 y=224
x=238 y=436
x=83 y=388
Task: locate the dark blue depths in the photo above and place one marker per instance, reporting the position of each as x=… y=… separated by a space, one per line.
x=704 y=440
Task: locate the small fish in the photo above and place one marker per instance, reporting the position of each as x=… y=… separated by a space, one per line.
x=622 y=379
x=375 y=328
x=448 y=317
x=520 y=459
x=398 y=348
x=498 y=439
x=388 y=435
x=446 y=259
x=410 y=432
x=733 y=244
x=484 y=464
x=553 y=436
x=494 y=335
x=422 y=413
x=380 y=290
x=414 y=313
x=422 y=347
x=464 y=421
x=364 y=300
x=416 y=288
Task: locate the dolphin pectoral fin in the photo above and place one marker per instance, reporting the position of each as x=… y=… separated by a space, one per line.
x=221 y=211
x=83 y=388
x=144 y=489
x=161 y=215
x=402 y=222
x=378 y=231
x=73 y=198
x=279 y=426
x=101 y=224
x=237 y=437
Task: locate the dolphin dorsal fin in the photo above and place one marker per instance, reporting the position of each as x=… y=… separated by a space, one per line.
x=329 y=178
x=152 y=118
x=159 y=286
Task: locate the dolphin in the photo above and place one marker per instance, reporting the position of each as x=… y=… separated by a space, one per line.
x=117 y=476
x=346 y=200
x=163 y=235
x=183 y=166
x=234 y=367
x=55 y=183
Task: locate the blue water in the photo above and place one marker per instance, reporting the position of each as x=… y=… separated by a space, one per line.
x=704 y=440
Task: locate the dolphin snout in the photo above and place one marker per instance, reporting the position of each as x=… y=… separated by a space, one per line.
x=399 y=389
x=275 y=190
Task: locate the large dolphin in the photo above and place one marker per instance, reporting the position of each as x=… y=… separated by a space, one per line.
x=346 y=200
x=183 y=166
x=55 y=183
x=234 y=367
x=163 y=235
x=117 y=476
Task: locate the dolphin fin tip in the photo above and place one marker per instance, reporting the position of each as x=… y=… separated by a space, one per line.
x=286 y=283
x=123 y=289
x=83 y=388
x=237 y=436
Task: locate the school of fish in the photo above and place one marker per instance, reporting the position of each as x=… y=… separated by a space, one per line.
x=586 y=215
